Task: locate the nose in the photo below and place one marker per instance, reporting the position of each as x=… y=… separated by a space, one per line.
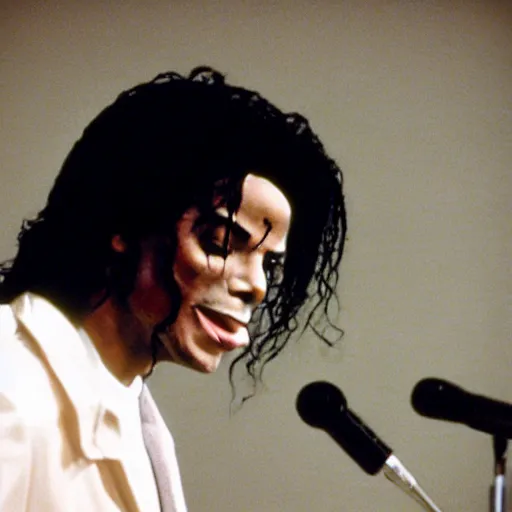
x=248 y=280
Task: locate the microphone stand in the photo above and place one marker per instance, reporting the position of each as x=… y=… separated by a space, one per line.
x=397 y=473
x=498 y=489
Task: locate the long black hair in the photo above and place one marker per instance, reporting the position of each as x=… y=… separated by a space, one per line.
x=160 y=148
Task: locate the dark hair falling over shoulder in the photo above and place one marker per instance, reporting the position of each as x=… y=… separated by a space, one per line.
x=160 y=148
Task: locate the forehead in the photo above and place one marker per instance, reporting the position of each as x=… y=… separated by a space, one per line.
x=263 y=211
x=263 y=205
x=260 y=197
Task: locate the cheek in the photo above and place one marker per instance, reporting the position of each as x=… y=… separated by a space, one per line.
x=149 y=299
x=193 y=268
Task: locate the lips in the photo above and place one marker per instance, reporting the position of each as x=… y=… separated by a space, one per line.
x=228 y=332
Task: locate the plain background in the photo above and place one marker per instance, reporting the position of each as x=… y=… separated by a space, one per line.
x=414 y=101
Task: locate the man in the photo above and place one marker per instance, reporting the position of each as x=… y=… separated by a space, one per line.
x=192 y=218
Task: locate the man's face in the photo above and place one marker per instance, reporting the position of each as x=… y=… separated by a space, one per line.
x=218 y=294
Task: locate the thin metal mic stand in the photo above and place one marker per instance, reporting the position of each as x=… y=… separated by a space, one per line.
x=498 y=489
x=397 y=473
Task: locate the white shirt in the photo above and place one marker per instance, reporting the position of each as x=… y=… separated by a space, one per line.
x=126 y=400
x=70 y=434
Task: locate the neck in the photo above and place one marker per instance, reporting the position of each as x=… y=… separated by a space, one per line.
x=124 y=349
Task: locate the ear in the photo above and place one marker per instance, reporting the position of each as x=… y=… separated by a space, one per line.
x=118 y=244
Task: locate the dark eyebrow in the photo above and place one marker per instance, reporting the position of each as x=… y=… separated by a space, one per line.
x=237 y=230
x=241 y=233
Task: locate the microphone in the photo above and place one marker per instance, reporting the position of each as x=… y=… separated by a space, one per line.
x=322 y=405
x=440 y=399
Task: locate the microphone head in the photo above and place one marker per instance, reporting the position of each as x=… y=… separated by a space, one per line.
x=319 y=402
x=323 y=405
x=439 y=399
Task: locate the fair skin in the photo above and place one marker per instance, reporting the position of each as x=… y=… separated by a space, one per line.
x=218 y=295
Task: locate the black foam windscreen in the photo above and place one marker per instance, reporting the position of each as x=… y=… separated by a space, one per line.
x=322 y=405
x=440 y=399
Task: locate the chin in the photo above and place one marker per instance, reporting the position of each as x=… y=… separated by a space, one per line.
x=206 y=365
x=201 y=360
x=194 y=358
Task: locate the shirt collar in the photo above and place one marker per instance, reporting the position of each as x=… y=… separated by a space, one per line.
x=112 y=390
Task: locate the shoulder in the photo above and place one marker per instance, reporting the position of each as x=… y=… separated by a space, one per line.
x=26 y=387
x=15 y=445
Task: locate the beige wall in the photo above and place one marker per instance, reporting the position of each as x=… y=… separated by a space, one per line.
x=414 y=100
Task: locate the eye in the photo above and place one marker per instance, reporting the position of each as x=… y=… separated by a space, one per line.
x=213 y=241
x=273 y=264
